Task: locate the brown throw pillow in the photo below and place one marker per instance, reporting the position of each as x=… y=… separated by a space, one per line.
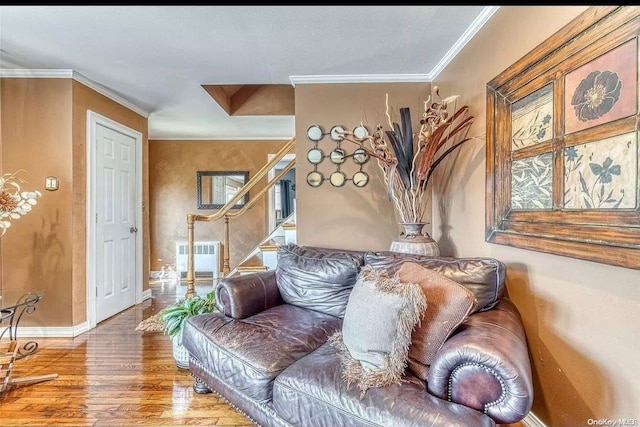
x=376 y=332
x=449 y=305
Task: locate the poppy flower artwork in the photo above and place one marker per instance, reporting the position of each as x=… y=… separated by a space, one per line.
x=602 y=90
x=596 y=95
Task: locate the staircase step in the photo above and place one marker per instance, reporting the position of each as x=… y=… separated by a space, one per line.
x=272 y=244
x=289 y=226
x=252 y=265
x=254 y=261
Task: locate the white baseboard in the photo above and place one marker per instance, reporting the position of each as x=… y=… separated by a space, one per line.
x=532 y=421
x=52 y=331
x=61 y=331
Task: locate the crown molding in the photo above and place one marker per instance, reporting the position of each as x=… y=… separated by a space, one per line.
x=36 y=73
x=475 y=26
x=471 y=31
x=110 y=94
x=70 y=74
x=360 y=78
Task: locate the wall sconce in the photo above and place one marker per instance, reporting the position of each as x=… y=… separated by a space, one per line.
x=51 y=183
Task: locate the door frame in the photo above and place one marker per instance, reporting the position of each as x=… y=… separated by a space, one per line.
x=271 y=200
x=93 y=120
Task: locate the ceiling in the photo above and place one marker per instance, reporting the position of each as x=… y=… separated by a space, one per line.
x=159 y=57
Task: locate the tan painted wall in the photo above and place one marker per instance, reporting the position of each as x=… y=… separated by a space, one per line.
x=582 y=318
x=347 y=217
x=85 y=98
x=172 y=181
x=44 y=132
x=37 y=249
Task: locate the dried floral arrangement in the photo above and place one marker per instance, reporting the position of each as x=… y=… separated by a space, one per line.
x=14 y=203
x=408 y=160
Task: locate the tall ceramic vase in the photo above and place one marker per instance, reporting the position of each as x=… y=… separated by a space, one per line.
x=413 y=240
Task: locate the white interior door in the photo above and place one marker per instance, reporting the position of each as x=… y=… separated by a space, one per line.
x=116 y=230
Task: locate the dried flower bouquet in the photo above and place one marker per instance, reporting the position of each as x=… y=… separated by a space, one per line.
x=408 y=160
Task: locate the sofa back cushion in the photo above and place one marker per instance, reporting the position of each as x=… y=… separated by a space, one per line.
x=449 y=304
x=482 y=276
x=319 y=279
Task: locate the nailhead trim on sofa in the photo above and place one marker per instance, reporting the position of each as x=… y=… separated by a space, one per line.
x=487 y=406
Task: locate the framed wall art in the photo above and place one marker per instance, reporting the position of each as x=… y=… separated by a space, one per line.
x=563 y=162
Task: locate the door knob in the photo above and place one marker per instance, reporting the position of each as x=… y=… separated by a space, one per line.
x=133 y=230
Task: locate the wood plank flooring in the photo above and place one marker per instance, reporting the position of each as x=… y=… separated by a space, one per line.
x=114 y=375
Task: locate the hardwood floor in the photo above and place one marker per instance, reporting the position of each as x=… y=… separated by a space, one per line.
x=113 y=375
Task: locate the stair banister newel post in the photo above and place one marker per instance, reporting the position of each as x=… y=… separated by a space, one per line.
x=191 y=290
x=226 y=267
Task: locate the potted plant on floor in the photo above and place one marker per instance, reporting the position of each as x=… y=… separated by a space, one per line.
x=174 y=317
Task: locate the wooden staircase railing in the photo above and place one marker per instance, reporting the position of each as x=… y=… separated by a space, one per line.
x=224 y=212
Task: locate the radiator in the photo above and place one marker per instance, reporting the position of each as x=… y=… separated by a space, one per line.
x=206 y=259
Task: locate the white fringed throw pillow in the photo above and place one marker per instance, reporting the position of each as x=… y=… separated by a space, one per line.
x=376 y=332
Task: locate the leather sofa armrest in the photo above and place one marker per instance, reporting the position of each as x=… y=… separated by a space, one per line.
x=243 y=296
x=486 y=365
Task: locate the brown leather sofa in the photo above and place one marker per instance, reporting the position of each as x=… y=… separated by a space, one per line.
x=271 y=360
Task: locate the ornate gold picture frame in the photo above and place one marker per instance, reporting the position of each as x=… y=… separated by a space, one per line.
x=563 y=158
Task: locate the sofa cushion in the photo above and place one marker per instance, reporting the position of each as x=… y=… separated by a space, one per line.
x=317 y=279
x=482 y=276
x=376 y=331
x=449 y=305
x=249 y=353
x=312 y=392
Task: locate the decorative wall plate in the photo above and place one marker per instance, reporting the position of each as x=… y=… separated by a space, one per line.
x=338 y=156
x=315 y=156
x=360 y=132
x=336 y=133
x=337 y=179
x=360 y=156
x=360 y=179
x=315 y=133
x=315 y=178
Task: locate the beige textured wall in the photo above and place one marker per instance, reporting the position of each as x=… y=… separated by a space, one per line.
x=44 y=132
x=37 y=249
x=85 y=98
x=172 y=180
x=347 y=217
x=582 y=318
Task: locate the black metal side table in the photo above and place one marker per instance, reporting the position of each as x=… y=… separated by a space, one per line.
x=14 y=304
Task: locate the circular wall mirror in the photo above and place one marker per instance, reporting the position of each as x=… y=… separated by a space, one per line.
x=360 y=156
x=337 y=179
x=360 y=132
x=315 y=178
x=315 y=156
x=336 y=133
x=314 y=133
x=360 y=179
x=337 y=156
